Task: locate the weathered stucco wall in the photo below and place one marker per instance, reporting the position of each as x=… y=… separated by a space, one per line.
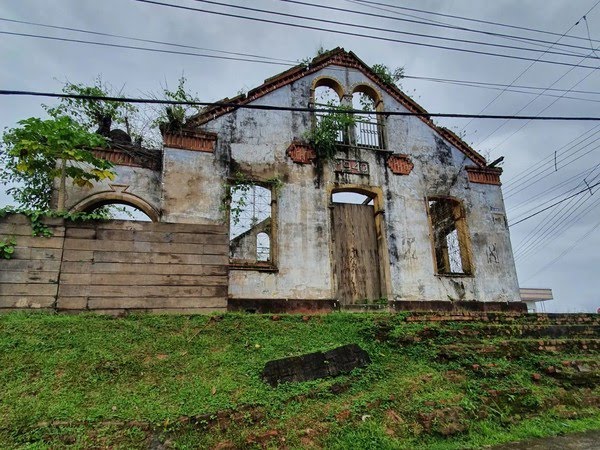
x=255 y=142
x=192 y=188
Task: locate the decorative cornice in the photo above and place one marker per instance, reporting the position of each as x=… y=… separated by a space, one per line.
x=132 y=157
x=400 y=164
x=301 y=153
x=198 y=141
x=484 y=175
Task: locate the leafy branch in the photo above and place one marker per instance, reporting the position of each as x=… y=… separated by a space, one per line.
x=324 y=136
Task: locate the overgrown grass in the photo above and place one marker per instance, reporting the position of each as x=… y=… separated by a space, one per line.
x=194 y=382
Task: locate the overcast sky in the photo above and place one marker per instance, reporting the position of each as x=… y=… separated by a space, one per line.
x=557 y=249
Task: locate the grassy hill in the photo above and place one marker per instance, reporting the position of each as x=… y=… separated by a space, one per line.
x=194 y=382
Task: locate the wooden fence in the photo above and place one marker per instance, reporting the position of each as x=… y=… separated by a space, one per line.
x=115 y=267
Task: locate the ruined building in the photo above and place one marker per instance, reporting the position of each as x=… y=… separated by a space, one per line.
x=403 y=211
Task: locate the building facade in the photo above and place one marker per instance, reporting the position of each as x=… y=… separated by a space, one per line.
x=403 y=210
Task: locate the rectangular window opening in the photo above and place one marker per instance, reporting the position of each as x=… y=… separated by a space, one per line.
x=250 y=225
x=450 y=237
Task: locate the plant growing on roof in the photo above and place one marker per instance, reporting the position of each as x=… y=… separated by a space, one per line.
x=173 y=117
x=388 y=75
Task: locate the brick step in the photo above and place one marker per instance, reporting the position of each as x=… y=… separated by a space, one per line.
x=505 y=318
x=517 y=347
x=472 y=331
x=581 y=373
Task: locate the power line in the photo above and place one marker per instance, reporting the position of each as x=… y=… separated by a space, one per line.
x=433 y=24
x=234 y=106
x=540 y=177
x=518 y=91
x=527 y=171
x=523 y=72
x=131 y=47
x=151 y=41
x=516 y=86
x=578 y=176
x=386 y=30
x=565 y=252
x=561 y=226
x=533 y=100
x=486 y=22
x=587 y=189
x=348 y=33
x=466 y=83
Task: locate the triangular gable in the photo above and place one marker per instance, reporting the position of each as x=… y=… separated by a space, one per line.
x=336 y=57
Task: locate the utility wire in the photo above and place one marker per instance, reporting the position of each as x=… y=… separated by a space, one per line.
x=560 y=226
x=516 y=86
x=565 y=252
x=430 y=23
x=523 y=72
x=385 y=30
x=540 y=176
x=466 y=83
x=527 y=171
x=578 y=176
x=587 y=189
x=486 y=22
x=234 y=106
x=151 y=41
x=131 y=47
x=348 y=33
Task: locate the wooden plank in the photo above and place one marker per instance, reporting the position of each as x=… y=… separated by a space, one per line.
x=66 y=290
x=30 y=265
x=78 y=255
x=356 y=258
x=161 y=237
x=159 y=311
x=71 y=303
x=24 y=301
x=28 y=289
x=154 y=303
x=30 y=276
x=145 y=247
x=158 y=269
x=39 y=242
x=27 y=254
x=154 y=258
x=141 y=279
x=153 y=226
x=81 y=233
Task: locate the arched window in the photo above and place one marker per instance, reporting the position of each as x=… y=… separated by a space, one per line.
x=327 y=95
x=450 y=237
x=263 y=247
x=368 y=130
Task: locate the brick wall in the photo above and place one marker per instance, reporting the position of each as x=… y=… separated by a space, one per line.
x=115 y=266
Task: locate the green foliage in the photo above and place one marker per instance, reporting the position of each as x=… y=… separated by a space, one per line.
x=173 y=117
x=388 y=75
x=7 y=247
x=306 y=61
x=37 y=216
x=195 y=381
x=324 y=135
x=92 y=113
x=38 y=151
